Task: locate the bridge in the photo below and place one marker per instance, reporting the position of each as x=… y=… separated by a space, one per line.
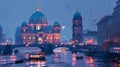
x=25 y=50
x=60 y=49
x=47 y=48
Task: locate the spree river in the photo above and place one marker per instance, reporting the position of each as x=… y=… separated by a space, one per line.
x=65 y=59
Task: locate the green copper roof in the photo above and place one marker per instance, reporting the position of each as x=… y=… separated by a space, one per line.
x=56 y=23
x=24 y=24
x=77 y=16
x=37 y=16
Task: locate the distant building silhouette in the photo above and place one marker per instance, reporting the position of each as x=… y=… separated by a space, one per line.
x=1 y=34
x=77 y=28
x=37 y=31
x=18 y=38
x=6 y=40
x=103 y=29
x=109 y=28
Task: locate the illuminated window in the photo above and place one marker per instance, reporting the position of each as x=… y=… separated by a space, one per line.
x=24 y=37
x=40 y=40
x=56 y=38
x=47 y=38
x=90 y=41
x=33 y=37
x=38 y=27
x=29 y=37
x=32 y=27
x=24 y=30
x=51 y=38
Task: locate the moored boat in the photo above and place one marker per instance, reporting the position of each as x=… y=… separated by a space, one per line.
x=79 y=55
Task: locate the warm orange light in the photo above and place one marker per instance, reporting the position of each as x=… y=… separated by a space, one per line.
x=35 y=56
x=38 y=27
x=89 y=41
x=91 y=60
x=56 y=37
x=40 y=40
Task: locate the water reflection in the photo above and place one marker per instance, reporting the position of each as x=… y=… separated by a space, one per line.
x=26 y=56
x=56 y=57
x=117 y=64
x=91 y=62
x=12 y=58
x=2 y=60
x=65 y=58
x=74 y=59
x=37 y=63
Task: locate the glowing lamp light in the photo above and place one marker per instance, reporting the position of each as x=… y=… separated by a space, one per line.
x=63 y=27
x=73 y=45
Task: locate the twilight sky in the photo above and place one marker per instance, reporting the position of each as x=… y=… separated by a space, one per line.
x=14 y=12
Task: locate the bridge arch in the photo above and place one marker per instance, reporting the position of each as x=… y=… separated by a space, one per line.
x=26 y=49
x=61 y=49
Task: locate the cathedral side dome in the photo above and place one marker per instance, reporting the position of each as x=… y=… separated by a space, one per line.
x=56 y=23
x=1 y=30
x=24 y=24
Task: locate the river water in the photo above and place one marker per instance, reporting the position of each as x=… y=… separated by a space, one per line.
x=65 y=59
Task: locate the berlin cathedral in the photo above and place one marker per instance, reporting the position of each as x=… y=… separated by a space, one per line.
x=37 y=31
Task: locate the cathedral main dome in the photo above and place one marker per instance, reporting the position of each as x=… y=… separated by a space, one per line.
x=37 y=16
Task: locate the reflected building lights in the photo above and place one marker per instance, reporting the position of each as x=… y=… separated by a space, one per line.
x=13 y=58
x=38 y=63
x=26 y=56
x=90 y=61
x=56 y=57
x=74 y=59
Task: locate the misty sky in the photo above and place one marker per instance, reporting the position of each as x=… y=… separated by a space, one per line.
x=14 y=12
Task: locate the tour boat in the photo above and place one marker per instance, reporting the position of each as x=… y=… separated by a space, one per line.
x=39 y=57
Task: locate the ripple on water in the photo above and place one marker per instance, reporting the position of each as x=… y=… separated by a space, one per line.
x=60 y=64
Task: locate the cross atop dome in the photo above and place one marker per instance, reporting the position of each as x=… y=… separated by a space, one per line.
x=37 y=9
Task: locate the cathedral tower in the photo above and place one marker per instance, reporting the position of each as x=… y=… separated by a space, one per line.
x=56 y=33
x=77 y=28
